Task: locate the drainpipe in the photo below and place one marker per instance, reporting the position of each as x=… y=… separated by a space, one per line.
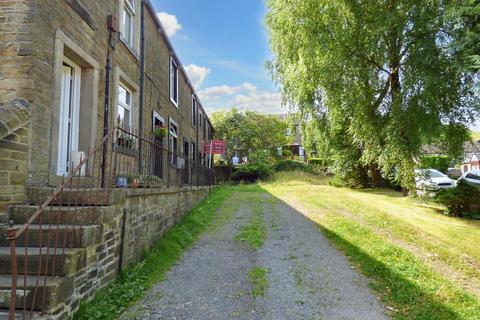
x=108 y=67
x=142 y=87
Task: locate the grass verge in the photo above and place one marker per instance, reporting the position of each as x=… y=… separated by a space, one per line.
x=258 y=276
x=113 y=300
x=405 y=281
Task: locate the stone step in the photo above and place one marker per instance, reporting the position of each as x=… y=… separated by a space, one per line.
x=59 y=263
x=85 y=215
x=38 y=236
x=100 y=197
x=19 y=315
x=40 y=292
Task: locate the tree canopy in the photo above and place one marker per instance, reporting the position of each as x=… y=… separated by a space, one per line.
x=380 y=74
x=245 y=132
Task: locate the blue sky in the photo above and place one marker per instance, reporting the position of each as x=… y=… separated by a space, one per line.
x=224 y=47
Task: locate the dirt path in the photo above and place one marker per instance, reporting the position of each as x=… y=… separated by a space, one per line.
x=306 y=277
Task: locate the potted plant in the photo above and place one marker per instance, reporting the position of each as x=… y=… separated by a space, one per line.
x=135 y=183
x=159 y=132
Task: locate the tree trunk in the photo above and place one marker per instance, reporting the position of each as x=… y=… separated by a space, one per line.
x=378 y=181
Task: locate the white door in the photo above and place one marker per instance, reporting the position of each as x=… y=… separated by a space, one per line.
x=69 y=116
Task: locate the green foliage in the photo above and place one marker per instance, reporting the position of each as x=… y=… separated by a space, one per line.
x=464 y=16
x=110 y=302
x=324 y=162
x=460 y=200
x=245 y=132
x=378 y=79
x=287 y=153
x=252 y=172
x=160 y=132
x=441 y=163
x=292 y=165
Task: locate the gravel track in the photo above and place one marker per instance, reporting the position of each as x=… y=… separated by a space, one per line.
x=308 y=278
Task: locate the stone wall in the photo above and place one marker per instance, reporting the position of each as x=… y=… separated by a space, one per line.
x=35 y=36
x=148 y=214
x=14 y=124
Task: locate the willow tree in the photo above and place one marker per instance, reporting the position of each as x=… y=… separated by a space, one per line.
x=380 y=70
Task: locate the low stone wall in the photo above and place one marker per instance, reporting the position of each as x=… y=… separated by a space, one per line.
x=138 y=216
x=151 y=212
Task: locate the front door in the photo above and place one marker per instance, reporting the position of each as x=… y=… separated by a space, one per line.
x=69 y=116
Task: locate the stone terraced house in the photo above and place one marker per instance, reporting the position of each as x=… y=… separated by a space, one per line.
x=101 y=147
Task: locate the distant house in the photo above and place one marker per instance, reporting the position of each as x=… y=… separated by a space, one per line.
x=471 y=156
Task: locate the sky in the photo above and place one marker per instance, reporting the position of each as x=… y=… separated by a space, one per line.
x=224 y=47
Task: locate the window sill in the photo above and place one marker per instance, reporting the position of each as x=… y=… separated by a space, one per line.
x=176 y=104
x=132 y=51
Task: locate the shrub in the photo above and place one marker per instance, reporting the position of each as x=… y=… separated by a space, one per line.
x=287 y=153
x=292 y=165
x=324 y=162
x=252 y=172
x=440 y=163
x=460 y=200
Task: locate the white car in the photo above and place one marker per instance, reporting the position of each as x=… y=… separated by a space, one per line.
x=432 y=180
x=472 y=176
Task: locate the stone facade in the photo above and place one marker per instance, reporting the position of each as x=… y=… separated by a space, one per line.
x=114 y=237
x=37 y=38
x=54 y=95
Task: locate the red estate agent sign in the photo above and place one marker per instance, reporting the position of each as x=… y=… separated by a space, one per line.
x=218 y=147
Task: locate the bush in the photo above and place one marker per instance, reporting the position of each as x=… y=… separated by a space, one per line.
x=462 y=200
x=324 y=162
x=292 y=165
x=440 y=163
x=252 y=172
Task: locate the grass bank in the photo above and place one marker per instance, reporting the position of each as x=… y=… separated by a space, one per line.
x=112 y=301
x=423 y=264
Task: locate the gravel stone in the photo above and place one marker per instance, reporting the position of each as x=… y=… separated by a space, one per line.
x=308 y=278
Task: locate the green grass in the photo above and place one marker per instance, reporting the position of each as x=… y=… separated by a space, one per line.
x=363 y=224
x=258 y=277
x=255 y=232
x=110 y=302
x=476 y=135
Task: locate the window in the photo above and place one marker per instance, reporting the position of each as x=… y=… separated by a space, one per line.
x=158 y=121
x=173 y=141
x=204 y=127
x=174 y=82
x=128 y=14
x=194 y=111
x=200 y=118
x=124 y=110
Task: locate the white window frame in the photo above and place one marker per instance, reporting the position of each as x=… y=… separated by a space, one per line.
x=172 y=64
x=124 y=105
x=174 y=153
x=63 y=157
x=129 y=6
x=156 y=115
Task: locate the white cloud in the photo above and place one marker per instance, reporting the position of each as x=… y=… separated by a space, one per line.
x=218 y=92
x=197 y=74
x=170 y=23
x=245 y=96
